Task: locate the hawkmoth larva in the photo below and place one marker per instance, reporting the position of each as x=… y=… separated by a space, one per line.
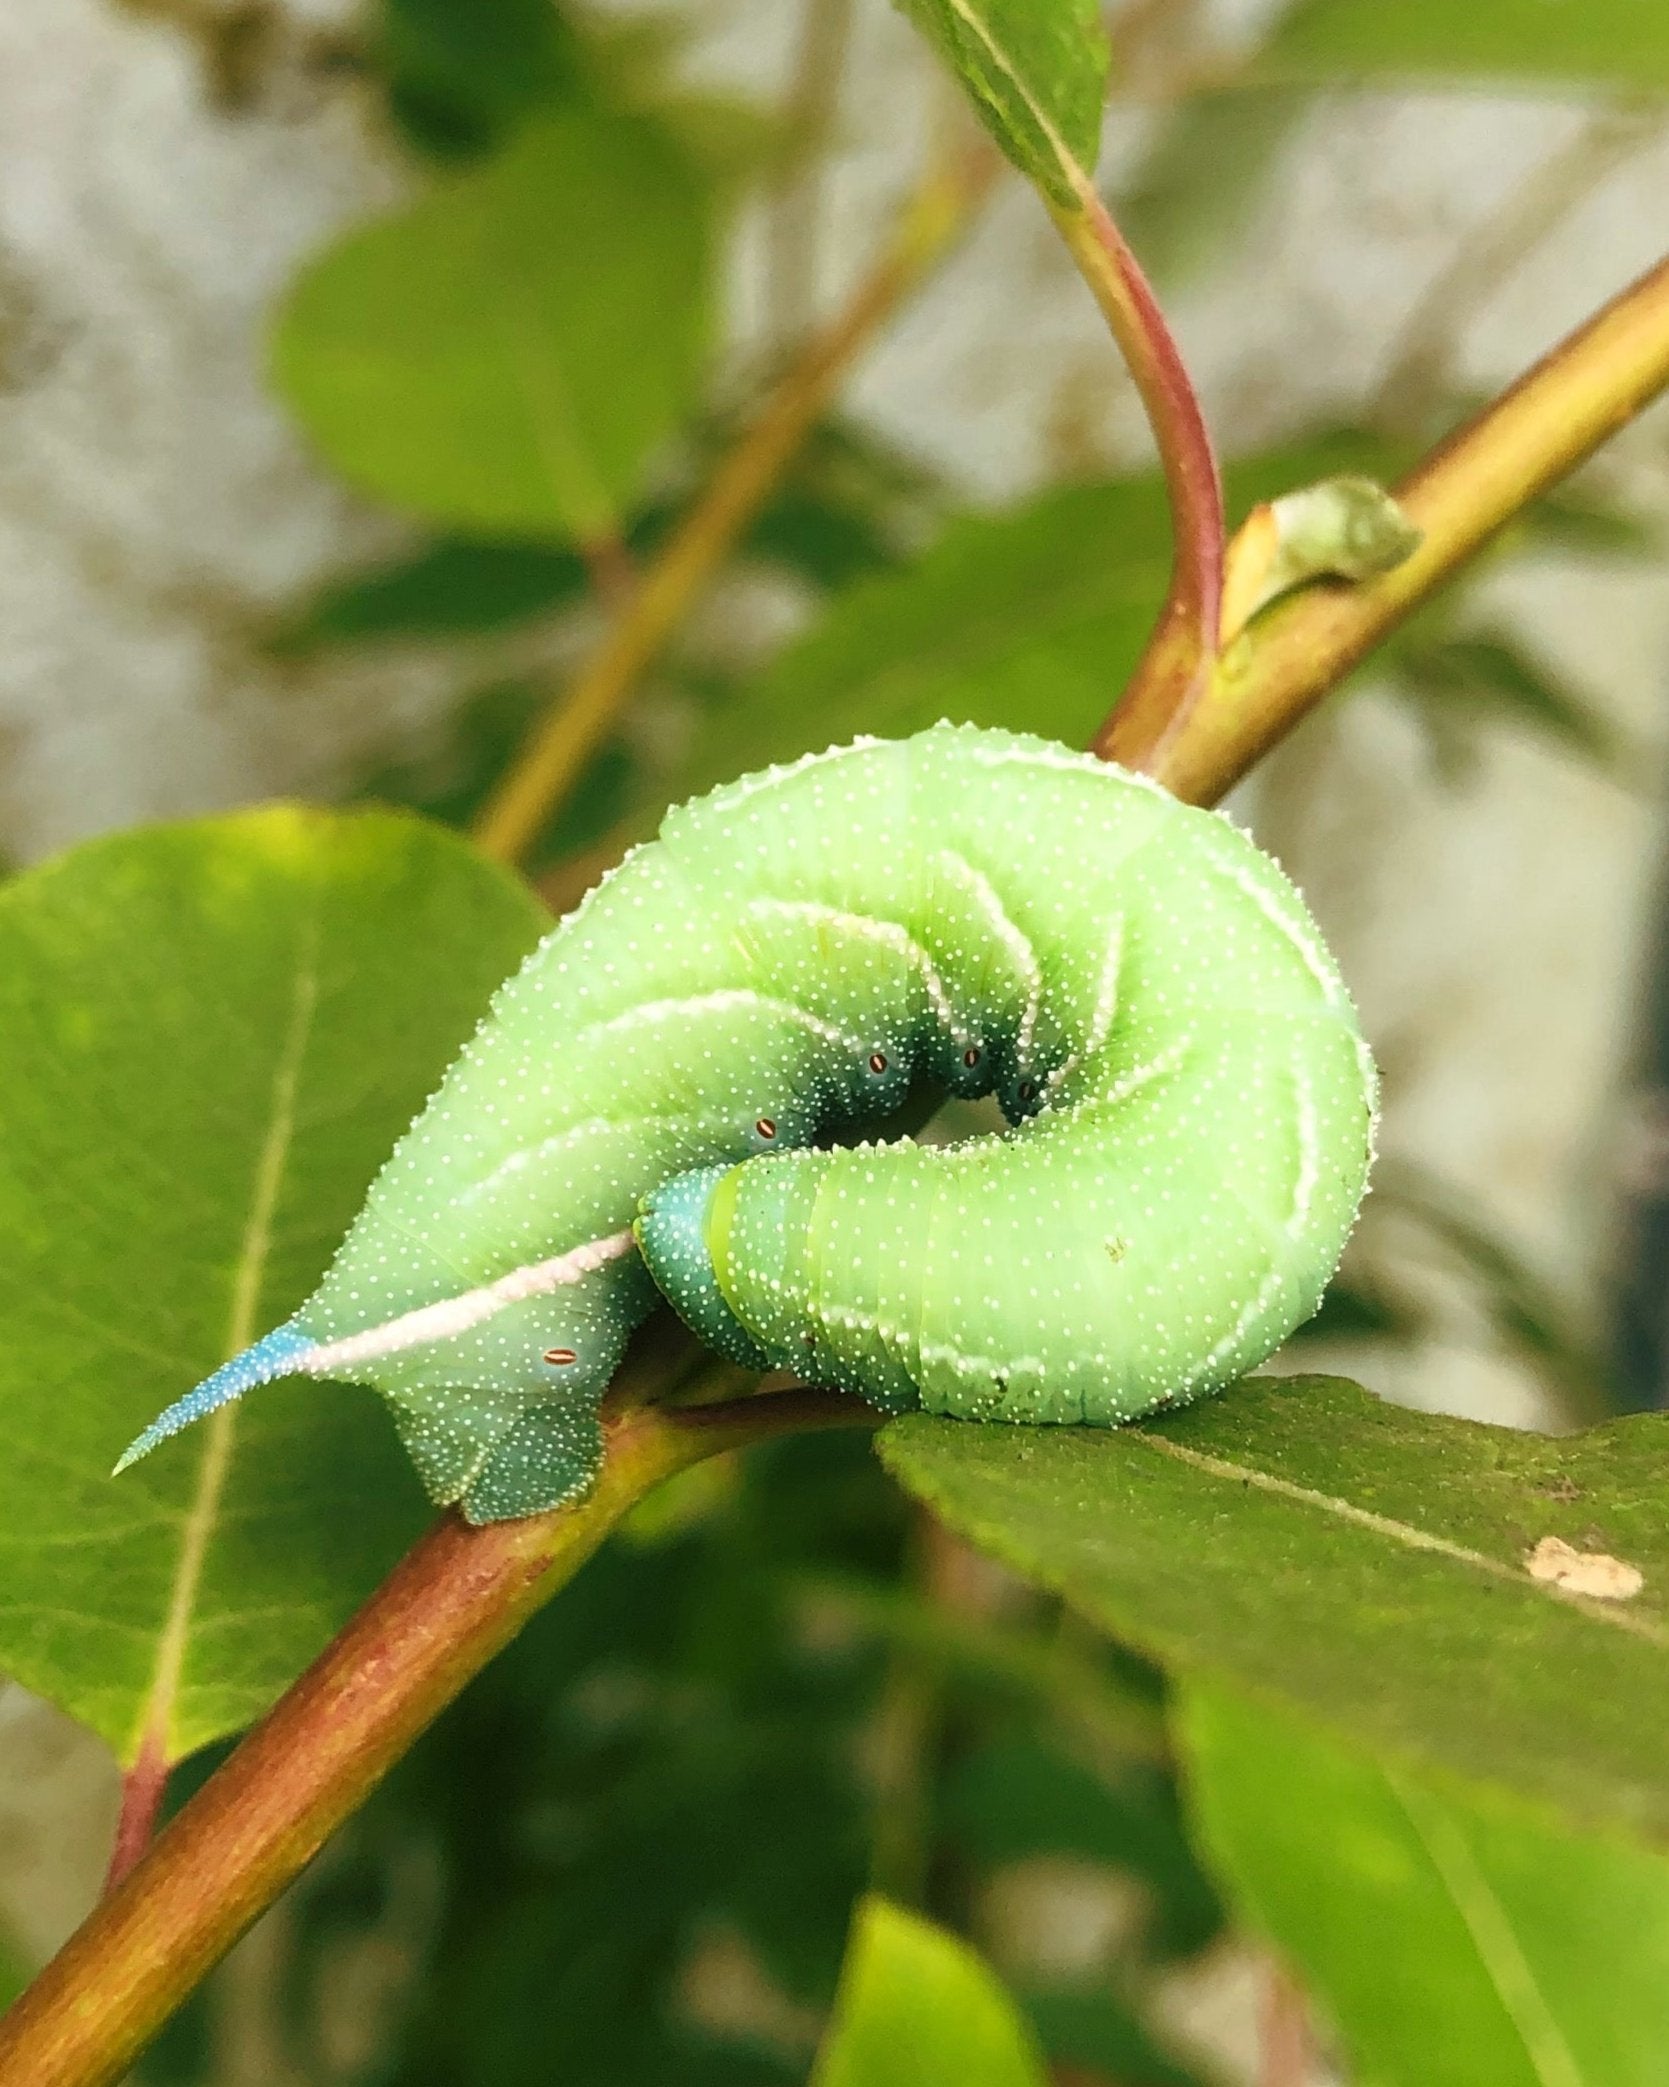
x=1190 y=1103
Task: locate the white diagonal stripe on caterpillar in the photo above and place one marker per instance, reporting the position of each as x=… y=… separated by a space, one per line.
x=1127 y=1083
x=1102 y=1016
x=454 y=1315
x=887 y=934
x=725 y=1000
x=543 y=1150
x=1253 y=1310
x=1310 y=950
x=1309 y=1154
x=1013 y=940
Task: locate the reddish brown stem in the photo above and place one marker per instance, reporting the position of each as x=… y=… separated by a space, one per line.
x=1174 y=671
x=611 y=569
x=445 y=1610
x=143 y=1788
x=1285 y=2048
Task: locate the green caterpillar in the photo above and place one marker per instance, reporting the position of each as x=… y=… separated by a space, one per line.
x=1190 y=1100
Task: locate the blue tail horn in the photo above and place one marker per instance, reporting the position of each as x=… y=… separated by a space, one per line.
x=277 y=1354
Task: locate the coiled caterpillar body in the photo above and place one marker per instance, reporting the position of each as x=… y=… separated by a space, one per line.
x=1189 y=1098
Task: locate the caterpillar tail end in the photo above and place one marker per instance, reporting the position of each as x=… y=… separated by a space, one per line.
x=277 y=1354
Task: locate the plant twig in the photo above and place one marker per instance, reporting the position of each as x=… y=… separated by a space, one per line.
x=1526 y=441
x=551 y=761
x=610 y=568
x=143 y=1788
x=1175 y=669
x=457 y=1597
x=1285 y=2047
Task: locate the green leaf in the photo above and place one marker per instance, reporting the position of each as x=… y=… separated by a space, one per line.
x=1036 y=71
x=1030 y=618
x=13 y=1976
x=917 y=2008
x=1455 y=1937
x=457 y=587
x=1474 y=677
x=461 y=78
x=210 y=1037
x=1620 y=42
x=505 y=355
x=1364 y=1562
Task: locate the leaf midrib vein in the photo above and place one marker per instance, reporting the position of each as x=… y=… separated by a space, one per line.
x=1488 y=1923
x=1070 y=167
x=1408 y=1534
x=220 y=1430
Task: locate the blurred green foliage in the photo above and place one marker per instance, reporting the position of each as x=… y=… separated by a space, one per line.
x=1411 y=1901
x=13 y=1975
x=508 y=352
x=642 y=1830
x=917 y=2008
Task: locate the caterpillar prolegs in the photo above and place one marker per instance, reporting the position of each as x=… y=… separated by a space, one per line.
x=1189 y=1102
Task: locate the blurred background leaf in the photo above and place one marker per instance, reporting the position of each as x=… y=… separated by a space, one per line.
x=457 y=586
x=508 y=352
x=1454 y=1936
x=1459 y=681
x=917 y=2008
x=13 y=1976
x=1621 y=41
x=461 y=80
x=847 y=507
x=1195 y=190
x=1191 y=194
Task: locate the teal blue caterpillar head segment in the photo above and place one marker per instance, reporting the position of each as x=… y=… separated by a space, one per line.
x=674 y=1232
